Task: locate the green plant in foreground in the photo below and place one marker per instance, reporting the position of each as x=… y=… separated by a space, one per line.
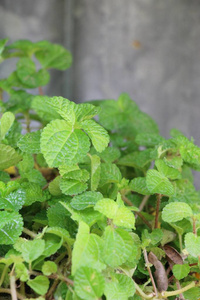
x=91 y=209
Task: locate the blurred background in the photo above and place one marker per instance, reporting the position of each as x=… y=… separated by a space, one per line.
x=147 y=48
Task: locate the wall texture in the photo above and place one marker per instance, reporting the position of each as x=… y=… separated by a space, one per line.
x=148 y=48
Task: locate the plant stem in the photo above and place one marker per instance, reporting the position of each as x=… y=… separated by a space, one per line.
x=177 y=292
x=194 y=225
x=141 y=293
x=27 y=119
x=40 y=90
x=7 y=291
x=179 y=287
x=13 y=287
x=49 y=295
x=3 y=274
x=180 y=242
x=149 y=270
x=159 y=197
x=144 y=201
x=29 y=232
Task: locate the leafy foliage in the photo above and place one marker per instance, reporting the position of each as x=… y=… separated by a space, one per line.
x=93 y=199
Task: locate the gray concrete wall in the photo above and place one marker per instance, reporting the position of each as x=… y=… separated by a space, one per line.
x=148 y=48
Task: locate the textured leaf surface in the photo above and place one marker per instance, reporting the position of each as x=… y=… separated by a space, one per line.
x=87 y=249
x=61 y=145
x=26 y=72
x=72 y=187
x=54 y=186
x=139 y=185
x=11 y=225
x=39 y=284
x=14 y=201
x=121 y=287
x=158 y=183
x=95 y=172
x=49 y=267
x=54 y=56
x=137 y=159
x=109 y=173
x=85 y=200
x=176 y=211
x=167 y=171
x=8 y=157
x=118 y=245
x=30 y=142
x=120 y=215
x=43 y=109
x=181 y=271
x=192 y=244
x=97 y=133
x=148 y=139
x=6 y=122
x=110 y=154
x=89 y=283
x=30 y=250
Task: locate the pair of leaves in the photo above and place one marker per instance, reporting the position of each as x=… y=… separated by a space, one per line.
x=117 y=211
x=63 y=141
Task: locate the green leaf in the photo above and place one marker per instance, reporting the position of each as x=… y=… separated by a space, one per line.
x=89 y=283
x=192 y=244
x=59 y=217
x=158 y=183
x=11 y=225
x=88 y=215
x=26 y=72
x=87 y=249
x=86 y=111
x=174 y=162
x=30 y=250
x=190 y=153
x=5 y=177
x=49 y=267
x=95 y=171
x=30 y=142
x=148 y=139
x=8 y=157
x=6 y=123
x=21 y=272
x=167 y=171
x=139 y=185
x=14 y=134
x=14 y=201
x=53 y=56
x=97 y=133
x=26 y=164
x=120 y=287
x=52 y=244
x=60 y=145
x=85 y=200
x=110 y=173
x=3 y=42
x=54 y=187
x=61 y=232
x=74 y=172
x=110 y=154
x=72 y=187
x=121 y=215
x=44 y=110
x=181 y=271
x=137 y=159
x=34 y=176
x=118 y=245
x=39 y=284
x=176 y=211
x=65 y=108
x=33 y=192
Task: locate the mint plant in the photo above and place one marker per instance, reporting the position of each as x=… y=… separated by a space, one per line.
x=94 y=202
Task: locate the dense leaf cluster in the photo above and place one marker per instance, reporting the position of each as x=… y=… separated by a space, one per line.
x=94 y=203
